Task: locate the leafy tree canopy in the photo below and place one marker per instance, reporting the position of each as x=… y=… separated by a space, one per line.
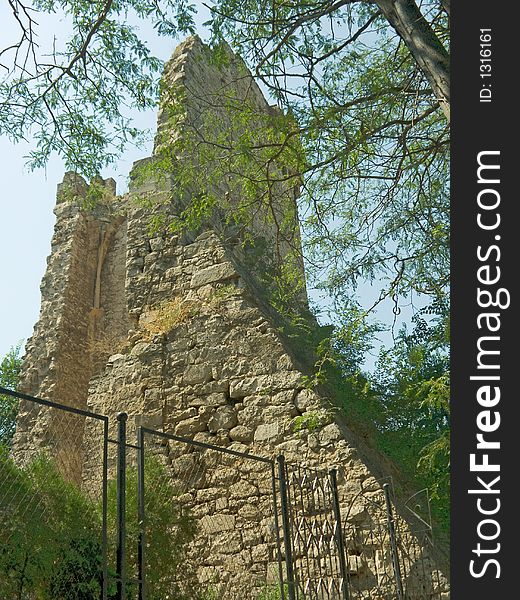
x=368 y=112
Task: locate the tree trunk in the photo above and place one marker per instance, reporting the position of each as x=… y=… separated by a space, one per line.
x=426 y=48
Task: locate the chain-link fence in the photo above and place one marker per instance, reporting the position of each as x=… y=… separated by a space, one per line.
x=217 y=506
x=53 y=529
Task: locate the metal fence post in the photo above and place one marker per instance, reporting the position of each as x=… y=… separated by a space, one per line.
x=141 y=515
x=277 y=526
x=104 y=493
x=393 y=542
x=286 y=525
x=339 y=533
x=121 y=506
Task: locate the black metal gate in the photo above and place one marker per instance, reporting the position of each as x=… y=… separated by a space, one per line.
x=313 y=536
x=218 y=506
x=354 y=547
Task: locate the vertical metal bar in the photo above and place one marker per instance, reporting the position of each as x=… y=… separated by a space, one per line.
x=121 y=507
x=277 y=526
x=393 y=542
x=141 y=515
x=339 y=533
x=104 y=493
x=287 y=538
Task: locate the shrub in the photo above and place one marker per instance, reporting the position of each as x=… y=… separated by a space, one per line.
x=50 y=535
x=169 y=530
x=272 y=592
x=311 y=421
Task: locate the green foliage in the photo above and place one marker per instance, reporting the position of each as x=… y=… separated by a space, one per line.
x=222 y=294
x=234 y=160
x=9 y=376
x=311 y=421
x=403 y=407
x=73 y=94
x=211 y=593
x=412 y=383
x=375 y=172
x=284 y=289
x=272 y=592
x=362 y=138
x=169 y=530
x=335 y=374
x=50 y=535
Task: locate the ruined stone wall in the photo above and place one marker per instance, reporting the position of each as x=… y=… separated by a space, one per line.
x=69 y=343
x=211 y=100
x=175 y=331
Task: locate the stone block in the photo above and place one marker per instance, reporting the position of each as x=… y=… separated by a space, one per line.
x=357 y=513
x=273 y=573
x=224 y=417
x=305 y=400
x=248 y=512
x=216 y=399
x=219 y=272
x=197 y=374
x=217 y=523
x=245 y=386
x=329 y=434
x=269 y=432
x=243 y=489
x=190 y=426
x=260 y=553
x=221 y=503
x=240 y=433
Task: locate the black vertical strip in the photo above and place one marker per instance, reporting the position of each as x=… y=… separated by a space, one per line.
x=338 y=531
x=141 y=510
x=104 y=510
x=277 y=528
x=485 y=124
x=122 y=418
x=287 y=537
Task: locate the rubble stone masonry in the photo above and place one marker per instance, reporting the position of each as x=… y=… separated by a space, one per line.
x=173 y=329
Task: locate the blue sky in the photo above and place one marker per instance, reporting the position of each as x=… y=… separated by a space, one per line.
x=27 y=200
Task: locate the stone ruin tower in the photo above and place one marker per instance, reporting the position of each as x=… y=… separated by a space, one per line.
x=174 y=329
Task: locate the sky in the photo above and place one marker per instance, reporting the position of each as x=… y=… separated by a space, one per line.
x=27 y=200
